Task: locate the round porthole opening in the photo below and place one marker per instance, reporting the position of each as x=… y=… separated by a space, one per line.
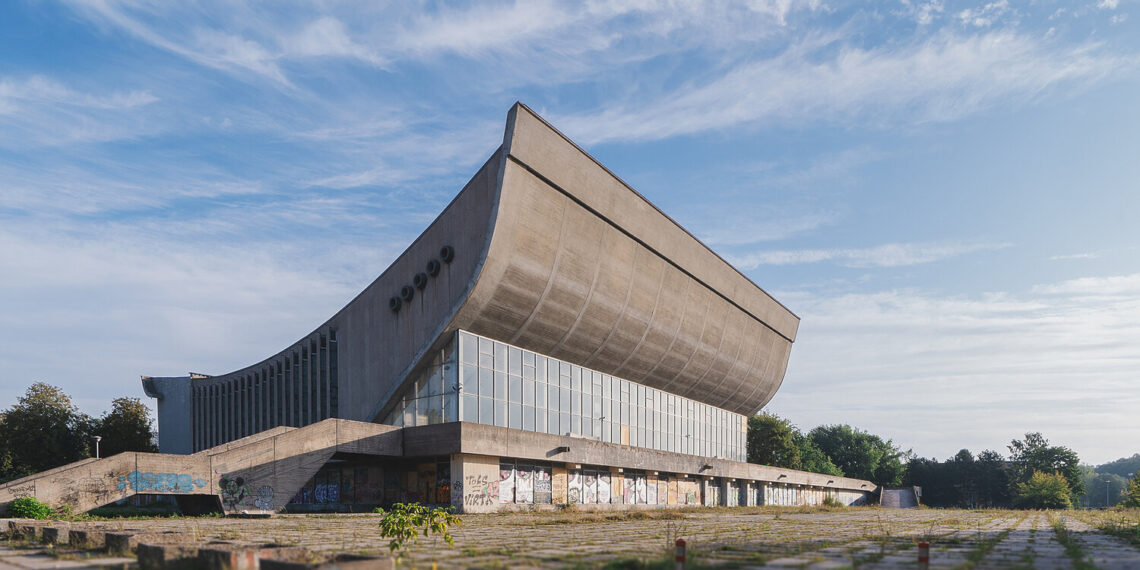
x=433 y=267
x=420 y=280
x=407 y=292
x=447 y=253
x=394 y=304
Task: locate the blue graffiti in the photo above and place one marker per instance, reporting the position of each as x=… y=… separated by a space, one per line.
x=160 y=482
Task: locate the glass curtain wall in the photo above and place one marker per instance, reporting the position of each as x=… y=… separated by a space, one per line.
x=479 y=380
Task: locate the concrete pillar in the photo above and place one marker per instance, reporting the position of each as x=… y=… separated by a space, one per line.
x=475 y=483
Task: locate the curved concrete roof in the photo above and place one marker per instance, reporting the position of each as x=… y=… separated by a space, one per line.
x=555 y=254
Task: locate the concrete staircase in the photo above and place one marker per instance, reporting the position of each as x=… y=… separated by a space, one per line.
x=259 y=473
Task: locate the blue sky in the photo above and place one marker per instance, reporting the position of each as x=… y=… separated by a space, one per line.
x=946 y=193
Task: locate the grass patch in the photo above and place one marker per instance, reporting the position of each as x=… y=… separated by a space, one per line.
x=1072 y=546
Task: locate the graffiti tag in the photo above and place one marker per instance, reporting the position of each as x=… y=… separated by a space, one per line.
x=161 y=482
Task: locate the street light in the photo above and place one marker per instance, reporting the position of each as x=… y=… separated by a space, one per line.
x=97 y=440
x=1106 y=484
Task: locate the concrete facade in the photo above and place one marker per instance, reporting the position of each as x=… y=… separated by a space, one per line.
x=634 y=339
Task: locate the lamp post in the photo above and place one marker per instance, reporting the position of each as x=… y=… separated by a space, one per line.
x=1107 y=482
x=97 y=440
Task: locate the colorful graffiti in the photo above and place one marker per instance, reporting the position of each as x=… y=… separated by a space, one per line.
x=161 y=482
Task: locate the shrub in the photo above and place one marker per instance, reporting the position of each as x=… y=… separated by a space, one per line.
x=403 y=524
x=1043 y=491
x=29 y=508
x=1132 y=493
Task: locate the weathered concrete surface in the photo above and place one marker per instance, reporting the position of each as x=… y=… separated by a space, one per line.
x=259 y=473
x=742 y=538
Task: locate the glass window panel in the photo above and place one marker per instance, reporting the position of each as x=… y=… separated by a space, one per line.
x=470 y=408
x=540 y=420
x=501 y=386
x=563 y=423
x=486 y=411
x=540 y=368
x=587 y=427
x=607 y=409
x=615 y=432
x=486 y=346
x=552 y=421
x=576 y=378
x=500 y=357
x=514 y=360
x=487 y=361
x=528 y=418
x=486 y=382
x=563 y=399
x=528 y=358
x=552 y=372
x=528 y=371
x=553 y=402
x=469 y=378
x=576 y=424
x=514 y=390
x=500 y=413
x=468 y=348
x=514 y=418
x=540 y=395
x=528 y=392
x=587 y=407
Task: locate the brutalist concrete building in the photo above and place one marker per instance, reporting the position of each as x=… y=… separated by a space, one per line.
x=551 y=338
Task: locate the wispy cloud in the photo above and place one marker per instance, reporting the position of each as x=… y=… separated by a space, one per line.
x=824 y=79
x=956 y=370
x=887 y=255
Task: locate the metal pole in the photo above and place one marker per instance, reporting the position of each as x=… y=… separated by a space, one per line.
x=97 y=439
x=1106 y=483
x=679 y=555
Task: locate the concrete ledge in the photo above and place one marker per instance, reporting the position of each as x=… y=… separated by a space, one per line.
x=88 y=538
x=57 y=534
x=127 y=542
x=340 y=561
x=155 y=556
x=231 y=556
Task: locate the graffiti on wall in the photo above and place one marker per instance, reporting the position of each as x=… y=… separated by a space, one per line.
x=161 y=482
x=478 y=490
x=20 y=492
x=235 y=491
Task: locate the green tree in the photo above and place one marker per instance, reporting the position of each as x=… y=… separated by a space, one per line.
x=772 y=441
x=1132 y=492
x=813 y=459
x=1034 y=454
x=1124 y=467
x=44 y=430
x=127 y=427
x=1043 y=491
x=775 y=441
x=992 y=474
x=860 y=454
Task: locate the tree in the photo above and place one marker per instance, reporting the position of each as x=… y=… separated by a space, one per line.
x=127 y=427
x=1124 y=467
x=772 y=441
x=43 y=430
x=1132 y=492
x=860 y=454
x=1043 y=491
x=813 y=459
x=1035 y=454
x=993 y=479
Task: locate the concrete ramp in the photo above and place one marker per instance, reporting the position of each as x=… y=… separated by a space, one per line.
x=259 y=473
x=905 y=498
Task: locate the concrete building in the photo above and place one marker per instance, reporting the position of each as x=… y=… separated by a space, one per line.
x=551 y=338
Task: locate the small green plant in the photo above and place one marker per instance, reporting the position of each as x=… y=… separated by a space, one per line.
x=30 y=508
x=832 y=502
x=403 y=524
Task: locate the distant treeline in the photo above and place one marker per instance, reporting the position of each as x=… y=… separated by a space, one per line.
x=1034 y=475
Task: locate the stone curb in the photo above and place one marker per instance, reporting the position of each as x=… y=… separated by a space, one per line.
x=88 y=539
x=60 y=534
x=338 y=562
x=230 y=556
